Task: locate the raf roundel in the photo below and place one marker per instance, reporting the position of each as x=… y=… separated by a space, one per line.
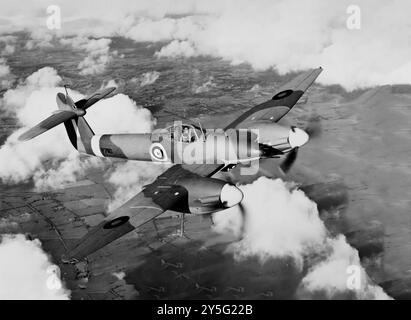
x=116 y=222
x=283 y=94
x=157 y=152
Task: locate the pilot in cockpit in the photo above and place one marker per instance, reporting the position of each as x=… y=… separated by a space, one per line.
x=187 y=135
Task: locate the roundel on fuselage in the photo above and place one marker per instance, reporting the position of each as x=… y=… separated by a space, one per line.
x=282 y=94
x=158 y=153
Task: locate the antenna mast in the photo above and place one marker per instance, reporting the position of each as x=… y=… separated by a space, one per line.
x=65 y=88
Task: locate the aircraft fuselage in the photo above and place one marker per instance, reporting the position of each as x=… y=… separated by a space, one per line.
x=257 y=140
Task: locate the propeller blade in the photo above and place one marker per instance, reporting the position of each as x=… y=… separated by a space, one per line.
x=267 y=151
x=288 y=162
x=243 y=213
x=313 y=127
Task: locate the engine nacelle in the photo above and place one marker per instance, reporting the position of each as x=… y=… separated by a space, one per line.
x=208 y=195
x=279 y=137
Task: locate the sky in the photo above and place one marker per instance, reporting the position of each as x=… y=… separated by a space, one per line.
x=359 y=43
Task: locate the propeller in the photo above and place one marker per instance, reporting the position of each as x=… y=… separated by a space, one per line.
x=243 y=213
x=289 y=160
x=313 y=127
x=267 y=151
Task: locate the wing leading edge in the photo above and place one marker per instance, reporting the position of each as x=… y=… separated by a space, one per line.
x=281 y=103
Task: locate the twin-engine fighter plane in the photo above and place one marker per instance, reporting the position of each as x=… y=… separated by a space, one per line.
x=197 y=154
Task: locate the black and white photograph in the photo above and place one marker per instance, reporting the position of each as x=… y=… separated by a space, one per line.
x=205 y=150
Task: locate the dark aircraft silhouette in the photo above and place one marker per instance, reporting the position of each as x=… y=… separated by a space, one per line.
x=197 y=155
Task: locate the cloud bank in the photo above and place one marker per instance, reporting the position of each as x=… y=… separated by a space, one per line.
x=26 y=271
x=98 y=53
x=293 y=228
x=286 y=35
x=129 y=177
x=7 y=45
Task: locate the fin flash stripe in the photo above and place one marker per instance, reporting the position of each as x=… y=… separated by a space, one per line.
x=95 y=145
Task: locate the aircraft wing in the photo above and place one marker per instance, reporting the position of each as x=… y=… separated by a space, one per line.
x=152 y=201
x=47 y=124
x=281 y=103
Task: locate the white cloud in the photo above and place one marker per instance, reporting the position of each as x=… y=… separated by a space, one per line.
x=31 y=102
x=149 y=78
x=332 y=274
x=128 y=179
x=177 y=48
x=26 y=271
x=284 y=223
x=39 y=38
x=119 y=275
x=120 y=114
x=146 y=78
x=205 y=87
x=7 y=45
x=4 y=68
x=98 y=53
x=286 y=35
x=290 y=229
x=148 y=29
x=67 y=171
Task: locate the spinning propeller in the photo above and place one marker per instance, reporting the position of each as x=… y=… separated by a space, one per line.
x=313 y=129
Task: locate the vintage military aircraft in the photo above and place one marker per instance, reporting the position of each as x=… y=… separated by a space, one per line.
x=188 y=186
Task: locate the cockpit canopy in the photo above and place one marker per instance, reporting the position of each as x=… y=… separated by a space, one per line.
x=183 y=132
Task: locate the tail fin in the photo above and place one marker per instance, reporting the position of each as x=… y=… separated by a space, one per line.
x=71 y=114
x=80 y=134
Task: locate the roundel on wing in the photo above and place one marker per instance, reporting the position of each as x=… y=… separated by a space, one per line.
x=158 y=152
x=116 y=222
x=282 y=94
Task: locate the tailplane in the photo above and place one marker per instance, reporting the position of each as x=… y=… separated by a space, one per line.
x=71 y=114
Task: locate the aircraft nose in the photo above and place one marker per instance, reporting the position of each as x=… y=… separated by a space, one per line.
x=297 y=137
x=230 y=195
